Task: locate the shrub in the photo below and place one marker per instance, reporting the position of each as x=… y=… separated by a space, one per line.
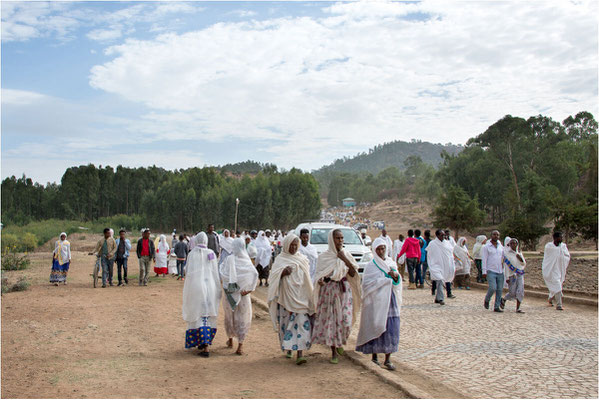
x=11 y=261
x=21 y=285
x=9 y=242
x=29 y=242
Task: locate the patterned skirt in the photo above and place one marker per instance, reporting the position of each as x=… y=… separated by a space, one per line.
x=202 y=335
x=59 y=272
x=294 y=329
x=333 y=321
x=388 y=342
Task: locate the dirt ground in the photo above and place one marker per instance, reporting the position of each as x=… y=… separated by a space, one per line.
x=74 y=341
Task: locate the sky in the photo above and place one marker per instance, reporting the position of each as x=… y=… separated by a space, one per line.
x=298 y=84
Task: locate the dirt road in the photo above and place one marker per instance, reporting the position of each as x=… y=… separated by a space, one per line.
x=74 y=341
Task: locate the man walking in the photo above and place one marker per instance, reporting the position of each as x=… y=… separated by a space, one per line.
x=492 y=263
x=181 y=254
x=440 y=264
x=555 y=262
x=105 y=249
x=146 y=252
x=122 y=255
x=388 y=241
x=411 y=248
x=213 y=241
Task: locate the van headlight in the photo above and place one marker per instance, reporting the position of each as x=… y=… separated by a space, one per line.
x=367 y=257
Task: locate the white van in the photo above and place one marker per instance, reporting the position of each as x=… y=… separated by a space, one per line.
x=352 y=241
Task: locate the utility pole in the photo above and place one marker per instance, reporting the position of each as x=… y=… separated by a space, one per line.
x=236 y=208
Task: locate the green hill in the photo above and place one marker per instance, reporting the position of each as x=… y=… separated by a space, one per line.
x=389 y=154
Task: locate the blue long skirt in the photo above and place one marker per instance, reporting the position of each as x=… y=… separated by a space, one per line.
x=59 y=272
x=388 y=342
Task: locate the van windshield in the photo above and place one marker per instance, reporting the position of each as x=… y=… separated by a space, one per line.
x=320 y=235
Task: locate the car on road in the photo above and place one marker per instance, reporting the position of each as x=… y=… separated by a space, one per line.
x=352 y=241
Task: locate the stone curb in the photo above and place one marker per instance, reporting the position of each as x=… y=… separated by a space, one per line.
x=390 y=378
x=544 y=295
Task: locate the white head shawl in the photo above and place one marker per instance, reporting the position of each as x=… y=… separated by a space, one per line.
x=62 y=249
x=226 y=242
x=162 y=245
x=329 y=265
x=238 y=273
x=295 y=291
x=511 y=262
x=201 y=291
x=460 y=251
x=263 y=249
x=377 y=287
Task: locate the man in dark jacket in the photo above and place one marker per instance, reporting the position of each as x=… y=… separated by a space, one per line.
x=145 y=253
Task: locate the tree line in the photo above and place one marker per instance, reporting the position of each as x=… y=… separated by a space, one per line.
x=185 y=199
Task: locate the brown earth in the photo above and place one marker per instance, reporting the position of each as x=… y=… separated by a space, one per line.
x=74 y=341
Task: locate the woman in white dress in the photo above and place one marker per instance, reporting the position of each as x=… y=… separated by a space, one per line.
x=201 y=296
x=162 y=252
x=239 y=278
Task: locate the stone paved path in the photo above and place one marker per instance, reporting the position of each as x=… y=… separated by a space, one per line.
x=541 y=354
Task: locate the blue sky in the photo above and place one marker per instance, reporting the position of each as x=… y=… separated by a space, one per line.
x=181 y=84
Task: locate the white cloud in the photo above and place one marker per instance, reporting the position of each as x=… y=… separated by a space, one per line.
x=363 y=74
x=104 y=34
x=244 y=13
x=30 y=19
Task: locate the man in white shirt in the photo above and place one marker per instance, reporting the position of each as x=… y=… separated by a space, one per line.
x=555 y=263
x=367 y=240
x=389 y=242
x=401 y=261
x=308 y=250
x=492 y=266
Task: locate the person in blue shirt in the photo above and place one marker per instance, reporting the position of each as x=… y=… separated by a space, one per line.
x=421 y=267
x=123 y=246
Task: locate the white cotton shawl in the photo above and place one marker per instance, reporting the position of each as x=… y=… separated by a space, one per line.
x=440 y=260
x=251 y=249
x=263 y=248
x=162 y=252
x=226 y=242
x=462 y=261
x=201 y=291
x=329 y=265
x=238 y=273
x=478 y=246
x=397 y=245
x=62 y=249
x=555 y=264
x=376 y=295
x=512 y=257
x=295 y=291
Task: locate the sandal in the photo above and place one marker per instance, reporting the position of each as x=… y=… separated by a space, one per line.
x=390 y=366
x=520 y=311
x=334 y=361
x=376 y=361
x=301 y=360
x=289 y=354
x=204 y=354
x=340 y=351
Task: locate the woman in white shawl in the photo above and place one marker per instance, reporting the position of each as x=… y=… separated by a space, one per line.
x=555 y=263
x=462 y=264
x=264 y=249
x=514 y=264
x=478 y=257
x=226 y=246
x=61 y=260
x=381 y=302
x=162 y=252
x=439 y=253
x=239 y=278
x=201 y=296
x=291 y=299
x=338 y=296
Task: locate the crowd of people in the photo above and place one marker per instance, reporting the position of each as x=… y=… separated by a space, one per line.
x=315 y=298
